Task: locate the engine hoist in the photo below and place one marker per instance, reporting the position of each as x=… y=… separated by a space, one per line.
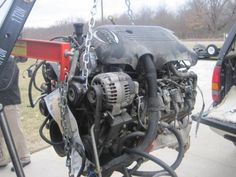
x=53 y=51
x=109 y=97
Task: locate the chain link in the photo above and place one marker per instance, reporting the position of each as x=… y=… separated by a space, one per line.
x=130 y=11
x=67 y=131
x=63 y=89
x=88 y=40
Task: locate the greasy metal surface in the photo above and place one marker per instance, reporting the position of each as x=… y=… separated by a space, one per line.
x=126 y=44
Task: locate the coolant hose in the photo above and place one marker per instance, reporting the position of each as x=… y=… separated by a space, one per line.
x=154 y=115
x=178 y=160
x=181 y=149
x=167 y=168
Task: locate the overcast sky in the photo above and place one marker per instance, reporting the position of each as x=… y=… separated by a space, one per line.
x=48 y=12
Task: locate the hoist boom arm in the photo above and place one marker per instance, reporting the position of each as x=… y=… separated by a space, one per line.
x=12 y=26
x=9 y=32
x=53 y=51
x=37 y=49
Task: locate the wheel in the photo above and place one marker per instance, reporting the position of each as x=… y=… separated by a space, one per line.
x=212 y=50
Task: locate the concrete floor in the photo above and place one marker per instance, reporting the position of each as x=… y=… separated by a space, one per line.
x=209 y=155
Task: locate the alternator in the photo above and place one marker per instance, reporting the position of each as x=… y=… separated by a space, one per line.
x=118 y=90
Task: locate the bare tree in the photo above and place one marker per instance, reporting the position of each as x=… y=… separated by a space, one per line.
x=196 y=19
x=212 y=14
x=165 y=18
x=145 y=16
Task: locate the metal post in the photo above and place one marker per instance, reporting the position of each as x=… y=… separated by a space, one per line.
x=10 y=144
x=102 y=15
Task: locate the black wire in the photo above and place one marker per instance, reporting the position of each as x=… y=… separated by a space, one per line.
x=201 y=112
x=60 y=37
x=127 y=137
x=178 y=160
x=126 y=172
x=154 y=159
x=35 y=85
x=66 y=39
x=32 y=80
x=186 y=66
x=180 y=145
x=44 y=137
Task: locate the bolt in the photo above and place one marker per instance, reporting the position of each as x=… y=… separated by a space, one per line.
x=68 y=53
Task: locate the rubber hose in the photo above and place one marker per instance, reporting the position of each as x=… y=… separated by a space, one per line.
x=154 y=159
x=153 y=113
x=127 y=137
x=44 y=137
x=180 y=143
x=32 y=80
x=179 y=158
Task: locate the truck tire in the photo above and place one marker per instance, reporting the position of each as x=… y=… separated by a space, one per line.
x=212 y=50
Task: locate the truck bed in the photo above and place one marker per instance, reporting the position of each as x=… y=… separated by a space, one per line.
x=212 y=122
x=223 y=116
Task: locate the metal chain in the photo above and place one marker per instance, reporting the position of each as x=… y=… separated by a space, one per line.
x=130 y=11
x=63 y=89
x=64 y=111
x=88 y=40
x=67 y=132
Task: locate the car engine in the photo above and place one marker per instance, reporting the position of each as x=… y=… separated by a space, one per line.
x=139 y=94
